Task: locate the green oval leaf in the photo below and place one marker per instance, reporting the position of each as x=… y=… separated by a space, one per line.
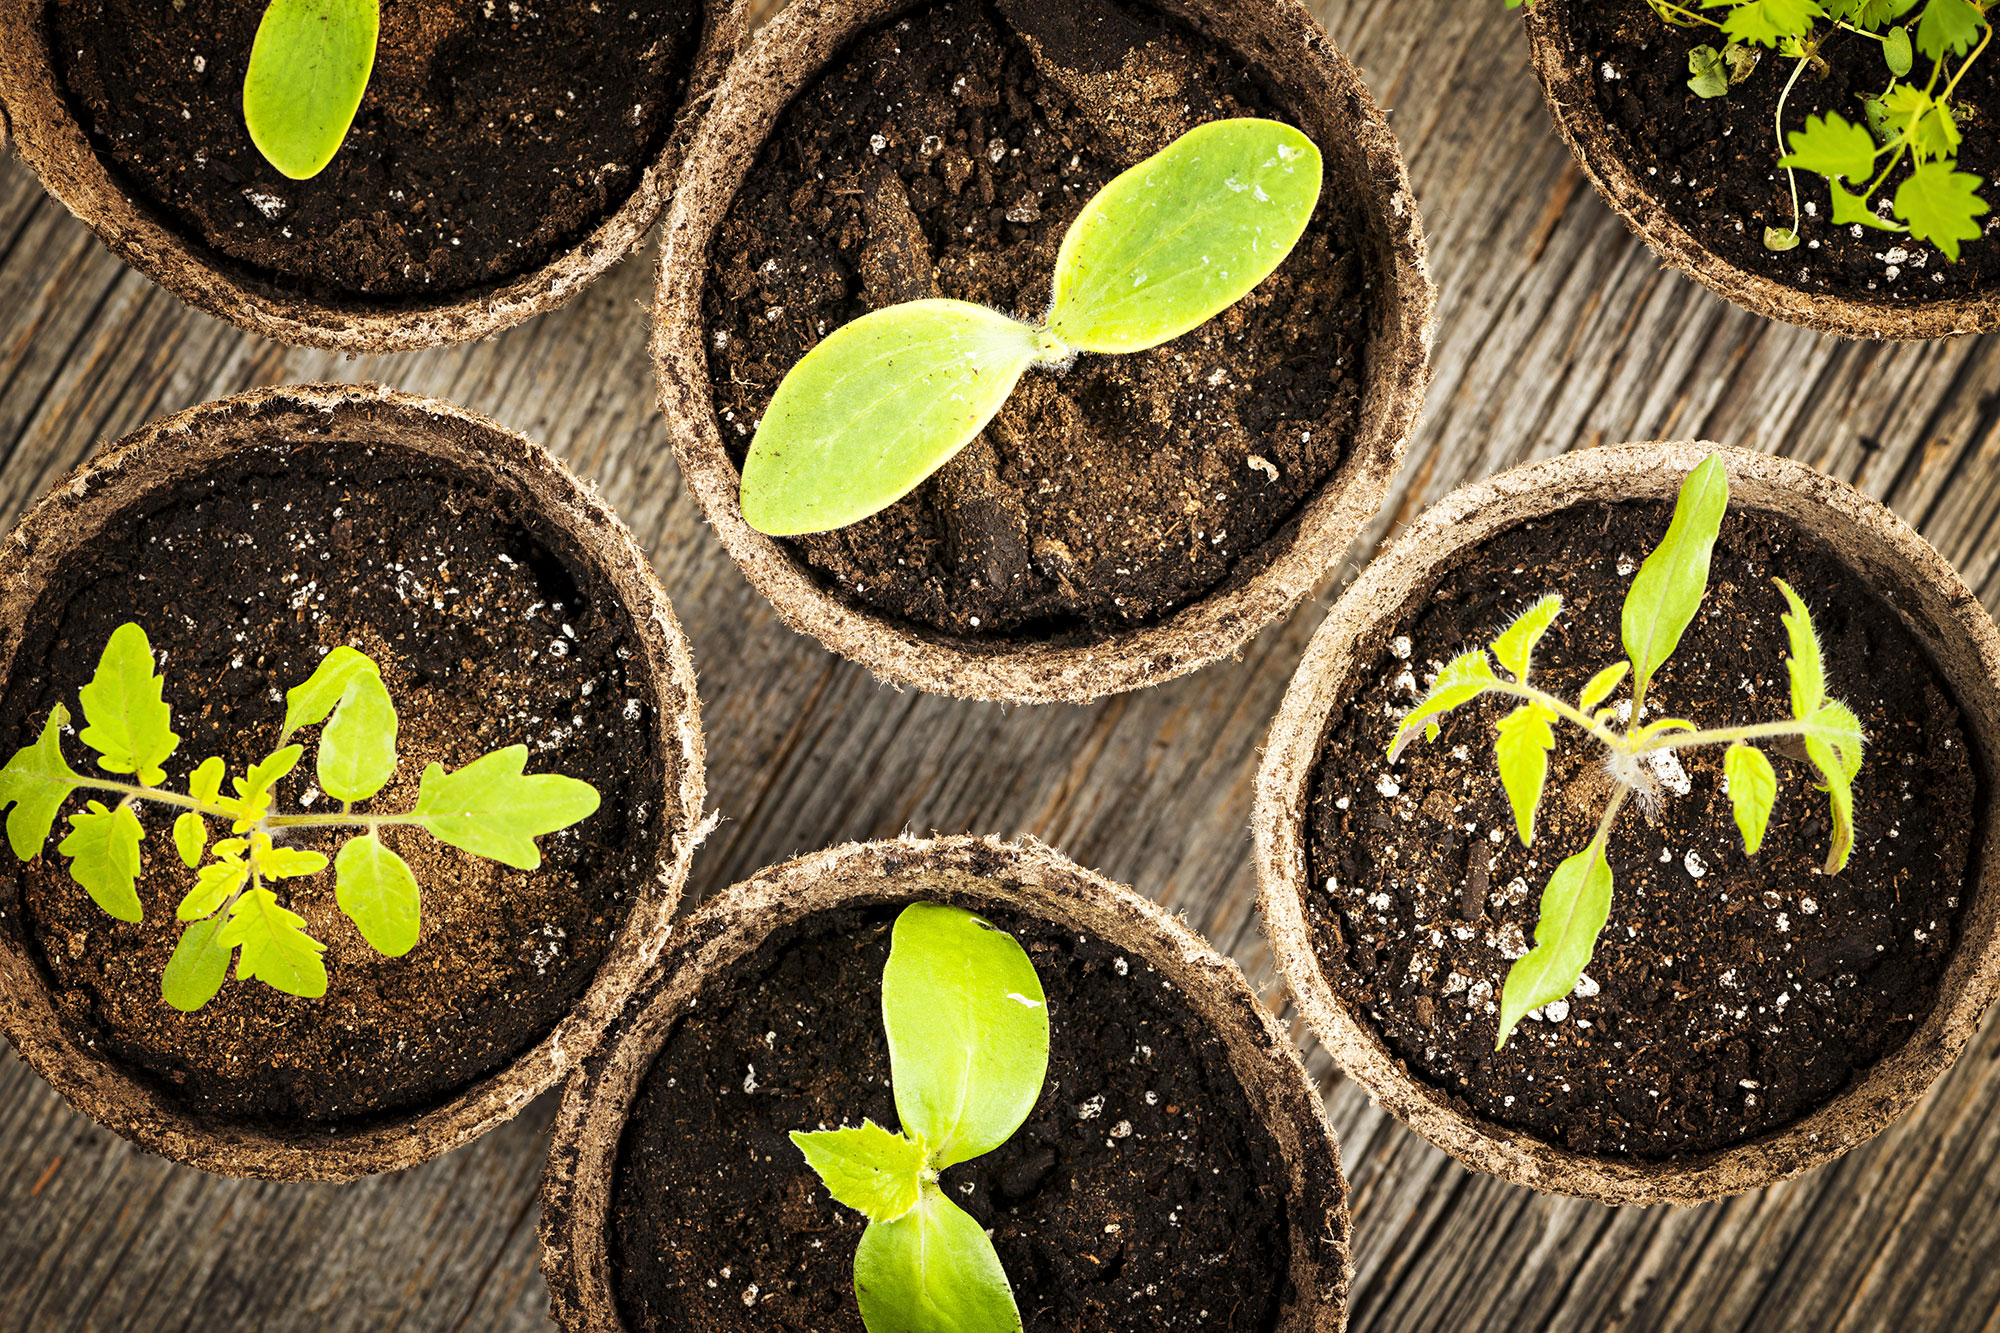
x=35 y=783
x=877 y=407
x=872 y=1170
x=1184 y=235
x=130 y=723
x=1668 y=588
x=309 y=67
x=1575 y=906
x=190 y=838
x=357 y=751
x=103 y=847
x=308 y=704
x=199 y=966
x=968 y=1031
x=490 y=809
x=933 y=1270
x=375 y=888
x=1515 y=648
x=1753 y=790
x=1599 y=687
x=1896 y=52
x=1523 y=754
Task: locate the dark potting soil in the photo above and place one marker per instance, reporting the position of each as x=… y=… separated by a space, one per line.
x=1141 y=1192
x=945 y=154
x=1712 y=163
x=492 y=138
x=490 y=631
x=1729 y=994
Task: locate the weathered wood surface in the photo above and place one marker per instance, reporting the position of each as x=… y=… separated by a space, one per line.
x=1557 y=331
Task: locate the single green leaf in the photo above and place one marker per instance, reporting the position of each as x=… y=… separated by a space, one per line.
x=1869 y=15
x=968 y=1031
x=1780 y=239
x=876 y=408
x=309 y=66
x=1839 y=788
x=1941 y=204
x=1184 y=235
x=1515 y=648
x=1833 y=146
x=1767 y=22
x=357 y=751
x=103 y=847
x=310 y=704
x=1836 y=725
x=1600 y=686
x=1852 y=208
x=1575 y=906
x=1710 y=75
x=1926 y=121
x=375 y=888
x=1949 y=26
x=275 y=948
x=35 y=782
x=489 y=809
x=1742 y=61
x=198 y=967
x=872 y=1170
x=205 y=783
x=1463 y=679
x=1668 y=589
x=253 y=790
x=1896 y=52
x=213 y=885
x=1753 y=790
x=1808 y=677
x=1523 y=751
x=285 y=862
x=130 y=723
x=191 y=838
x=933 y=1270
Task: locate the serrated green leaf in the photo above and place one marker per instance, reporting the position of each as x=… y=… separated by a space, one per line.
x=309 y=66
x=1515 y=648
x=375 y=888
x=872 y=1170
x=932 y=1270
x=1940 y=204
x=130 y=725
x=877 y=407
x=1808 y=676
x=199 y=966
x=1600 y=686
x=213 y=884
x=1833 y=146
x=103 y=847
x=1184 y=235
x=1667 y=591
x=1523 y=753
x=968 y=1031
x=357 y=751
x=1575 y=906
x=274 y=947
x=1709 y=75
x=1852 y=208
x=1753 y=790
x=1767 y=22
x=489 y=809
x=191 y=838
x=1949 y=26
x=1929 y=124
x=311 y=703
x=253 y=790
x=1463 y=679
x=35 y=783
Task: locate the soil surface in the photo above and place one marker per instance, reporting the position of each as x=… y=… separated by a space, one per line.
x=945 y=154
x=1713 y=162
x=490 y=632
x=1729 y=994
x=1140 y=1193
x=492 y=137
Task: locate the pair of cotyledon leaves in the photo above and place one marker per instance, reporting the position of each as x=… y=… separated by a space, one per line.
x=968 y=1030
x=309 y=66
x=1662 y=602
x=889 y=399
x=490 y=808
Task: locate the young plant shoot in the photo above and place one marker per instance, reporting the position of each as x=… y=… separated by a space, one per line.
x=968 y=1033
x=489 y=808
x=1923 y=47
x=887 y=400
x=1662 y=602
x=309 y=67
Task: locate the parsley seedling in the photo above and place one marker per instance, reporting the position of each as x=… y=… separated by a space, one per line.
x=1913 y=118
x=887 y=400
x=309 y=66
x=1663 y=599
x=968 y=1033
x=489 y=808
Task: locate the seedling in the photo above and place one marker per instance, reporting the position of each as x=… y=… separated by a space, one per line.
x=489 y=808
x=1913 y=118
x=887 y=400
x=968 y=1033
x=1661 y=603
x=309 y=67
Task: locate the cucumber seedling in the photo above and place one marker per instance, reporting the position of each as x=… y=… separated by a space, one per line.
x=309 y=66
x=1661 y=603
x=490 y=808
x=968 y=1030
x=885 y=401
x=1924 y=48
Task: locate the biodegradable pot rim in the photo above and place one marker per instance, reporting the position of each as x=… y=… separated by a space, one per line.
x=1029 y=877
x=1569 y=87
x=779 y=61
x=55 y=147
x=75 y=512
x=1935 y=604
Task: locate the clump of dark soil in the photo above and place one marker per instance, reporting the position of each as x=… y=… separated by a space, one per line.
x=1713 y=162
x=493 y=137
x=490 y=631
x=1729 y=995
x=1141 y=1192
x=1108 y=495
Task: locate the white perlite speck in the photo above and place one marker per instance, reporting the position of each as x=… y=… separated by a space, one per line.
x=1666 y=766
x=1695 y=865
x=1388 y=786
